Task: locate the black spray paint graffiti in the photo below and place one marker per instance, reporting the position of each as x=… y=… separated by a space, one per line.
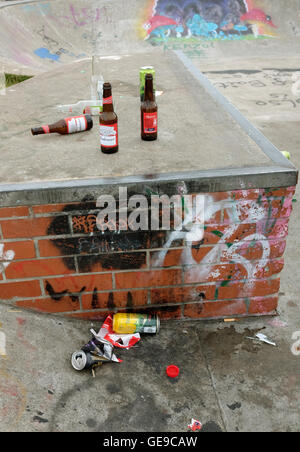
x=53 y=49
x=207 y=19
x=95 y=302
x=111 y=306
x=119 y=250
x=58 y=296
x=278 y=99
x=212 y=11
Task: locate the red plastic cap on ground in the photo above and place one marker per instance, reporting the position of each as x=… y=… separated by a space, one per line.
x=172 y=371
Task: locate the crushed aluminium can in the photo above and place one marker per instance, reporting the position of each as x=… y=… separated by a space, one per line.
x=81 y=360
x=92 y=355
x=143 y=71
x=136 y=323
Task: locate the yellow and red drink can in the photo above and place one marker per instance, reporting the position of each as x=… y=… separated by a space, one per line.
x=136 y=323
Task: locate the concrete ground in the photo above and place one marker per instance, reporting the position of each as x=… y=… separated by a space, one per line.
x=227 y=381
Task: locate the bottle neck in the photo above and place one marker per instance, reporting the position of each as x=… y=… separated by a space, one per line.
x=149 y=92
x=41 y=130
x=108 y=105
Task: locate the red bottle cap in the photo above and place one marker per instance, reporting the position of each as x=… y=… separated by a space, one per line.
x=172 y=371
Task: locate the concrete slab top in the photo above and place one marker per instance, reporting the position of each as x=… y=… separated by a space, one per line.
x=196 y=133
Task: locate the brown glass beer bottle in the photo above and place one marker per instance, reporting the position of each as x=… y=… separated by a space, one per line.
x=149 y=121
x=109 y=136
x=66 y=126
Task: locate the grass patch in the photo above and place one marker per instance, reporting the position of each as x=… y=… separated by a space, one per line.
x=13 y=79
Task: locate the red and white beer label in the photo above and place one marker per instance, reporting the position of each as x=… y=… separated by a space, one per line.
x=76 y=124
x=107 y=100
x=109 y=135
x=150 y=122
x=46 y=129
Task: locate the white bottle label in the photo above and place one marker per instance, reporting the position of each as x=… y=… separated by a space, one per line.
x=76 y=124
x=109 y=135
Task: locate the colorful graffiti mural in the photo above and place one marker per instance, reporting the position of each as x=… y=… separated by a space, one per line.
x=165 y=20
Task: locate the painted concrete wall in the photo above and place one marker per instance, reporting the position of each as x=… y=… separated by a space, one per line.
x=54 y=259
x=38 y=36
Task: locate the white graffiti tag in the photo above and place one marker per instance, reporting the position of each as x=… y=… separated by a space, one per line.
x=251 y=212
x=5 y=257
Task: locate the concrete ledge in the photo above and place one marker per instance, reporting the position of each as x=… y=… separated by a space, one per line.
x=196 y=182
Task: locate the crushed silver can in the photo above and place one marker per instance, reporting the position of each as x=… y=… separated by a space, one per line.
x=82 y=360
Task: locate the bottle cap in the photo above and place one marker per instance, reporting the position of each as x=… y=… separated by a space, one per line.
x=172 y=371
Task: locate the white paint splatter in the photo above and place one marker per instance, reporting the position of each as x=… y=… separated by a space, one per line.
x=5 y=258
x=2 y=344
x=193 y=228
x=215 y=274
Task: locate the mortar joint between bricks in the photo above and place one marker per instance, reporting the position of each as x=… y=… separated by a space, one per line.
x=42 y=286
x=36 y=247
x=148 y=259
x=113 y=276
x=80 y=301
x=31 y=213
x=76 y=264
x=70 y=220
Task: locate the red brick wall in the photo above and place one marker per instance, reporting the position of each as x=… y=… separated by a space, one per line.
x=54 y=259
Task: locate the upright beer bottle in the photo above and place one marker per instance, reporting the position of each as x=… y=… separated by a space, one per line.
x=149 y=112
x=108 y=123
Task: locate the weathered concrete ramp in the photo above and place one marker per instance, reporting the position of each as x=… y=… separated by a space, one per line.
x=37 y=36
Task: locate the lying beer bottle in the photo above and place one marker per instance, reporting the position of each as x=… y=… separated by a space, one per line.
x=149 y=112
x=109 y=138
x=66 y=126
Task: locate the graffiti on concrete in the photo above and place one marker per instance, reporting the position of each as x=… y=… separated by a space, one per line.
x=13 y=400
x=274 y=91
x=21 y=333
x=37 y=8
x=206 y=19
x=74 y=16
x=278 y=99
x=44 y=53
x=84 y=16
x=52 y=49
